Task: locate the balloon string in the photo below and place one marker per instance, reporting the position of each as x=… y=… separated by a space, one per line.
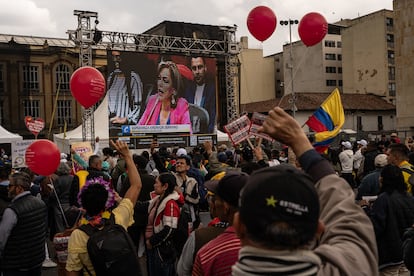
x=301 y=60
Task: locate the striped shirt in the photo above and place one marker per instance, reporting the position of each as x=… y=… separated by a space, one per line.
x=217 y=256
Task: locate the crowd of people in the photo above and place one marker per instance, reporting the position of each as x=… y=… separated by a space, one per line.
x=346 y=213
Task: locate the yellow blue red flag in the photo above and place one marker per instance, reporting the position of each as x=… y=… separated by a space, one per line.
x=327 y=121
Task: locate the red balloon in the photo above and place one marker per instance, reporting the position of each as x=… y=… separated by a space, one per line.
x=43 y=157
x=312 y=28
x=261 y=22
x=87 y=86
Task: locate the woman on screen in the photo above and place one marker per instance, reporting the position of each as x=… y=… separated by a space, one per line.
x=166 y=107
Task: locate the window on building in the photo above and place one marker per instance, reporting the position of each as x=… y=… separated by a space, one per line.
x=329 y=43
x=391 y=73
x=339 y=44
x=330 y=69
x=339 y=70
x=330 y=82
x=391 y=89
x=359 y=123
x=390 y=40
x=62 y=77
x=339 y=57
x=31 y=78
x=391 y=57
x=340 y=83
x=390 y=22
x=64 y=112
x=380 y=124
x=330 y=56
x=31 y=108
x=2 y=77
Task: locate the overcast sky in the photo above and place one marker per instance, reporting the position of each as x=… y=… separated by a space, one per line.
x=52 y=18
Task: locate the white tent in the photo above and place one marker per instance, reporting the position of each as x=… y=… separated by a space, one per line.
x=101 y=130
x=222 y=137
x=8 y=137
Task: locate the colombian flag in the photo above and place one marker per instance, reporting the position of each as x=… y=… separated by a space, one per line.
x=327 y=121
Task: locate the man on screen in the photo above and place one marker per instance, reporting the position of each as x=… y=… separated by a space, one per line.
x=201 y=92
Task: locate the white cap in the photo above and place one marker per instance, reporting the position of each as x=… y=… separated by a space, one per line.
x=381 y=160
x=347 y=145
x=362 y=142
x=181 y=151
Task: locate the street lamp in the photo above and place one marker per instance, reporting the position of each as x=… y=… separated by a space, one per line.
x=289 y=23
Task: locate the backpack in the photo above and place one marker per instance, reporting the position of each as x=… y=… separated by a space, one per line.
x=111 y=249
x=202 y=191
x=410 y=171
x=184 y=227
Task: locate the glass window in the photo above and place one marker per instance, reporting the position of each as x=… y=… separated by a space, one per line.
x=339 y=44
x=330 y=56
x=391 y=73
x=389 y=21
x=339 y=57
x=391 y=88
x=380 y=124
x=64 y=112
x=31 y=108
x=62 y=77
x=330 y=82
x=391 y=57
x=329 y=43
x=340 y=70
x=330 y=69
x=30 y=78
x=340 y=83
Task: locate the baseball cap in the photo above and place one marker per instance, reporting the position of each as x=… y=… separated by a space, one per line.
x=222 y=157
x=381 y=160
x=228 y=187
x=362 y=142
x=181 y=151
x=222 y=147
x=347 y=145
x=280 y=194
x=393 y=134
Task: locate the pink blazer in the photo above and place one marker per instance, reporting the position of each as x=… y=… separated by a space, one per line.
x=180 y=115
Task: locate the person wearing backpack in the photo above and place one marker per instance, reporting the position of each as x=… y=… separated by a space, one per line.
x=398 y=156
x=163 y=215
x=98 y=199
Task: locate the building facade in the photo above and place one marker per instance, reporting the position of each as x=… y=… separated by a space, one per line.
x=404 y=37
x=34 y=81
x=369 y=55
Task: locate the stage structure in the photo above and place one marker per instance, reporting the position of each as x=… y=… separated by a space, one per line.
x=86 y=37
x=83 y=37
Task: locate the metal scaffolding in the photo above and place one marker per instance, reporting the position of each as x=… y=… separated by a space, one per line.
x=85 y=37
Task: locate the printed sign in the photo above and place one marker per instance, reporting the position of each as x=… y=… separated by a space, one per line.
x=238 y=130
x=34 y=125
x=257 y=121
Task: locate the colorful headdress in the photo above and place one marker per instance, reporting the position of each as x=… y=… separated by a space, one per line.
x=110 y=202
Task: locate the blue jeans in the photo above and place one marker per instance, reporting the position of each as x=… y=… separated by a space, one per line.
x=158 y=267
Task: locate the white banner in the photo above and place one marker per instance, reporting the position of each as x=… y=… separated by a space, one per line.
x=18 y=153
